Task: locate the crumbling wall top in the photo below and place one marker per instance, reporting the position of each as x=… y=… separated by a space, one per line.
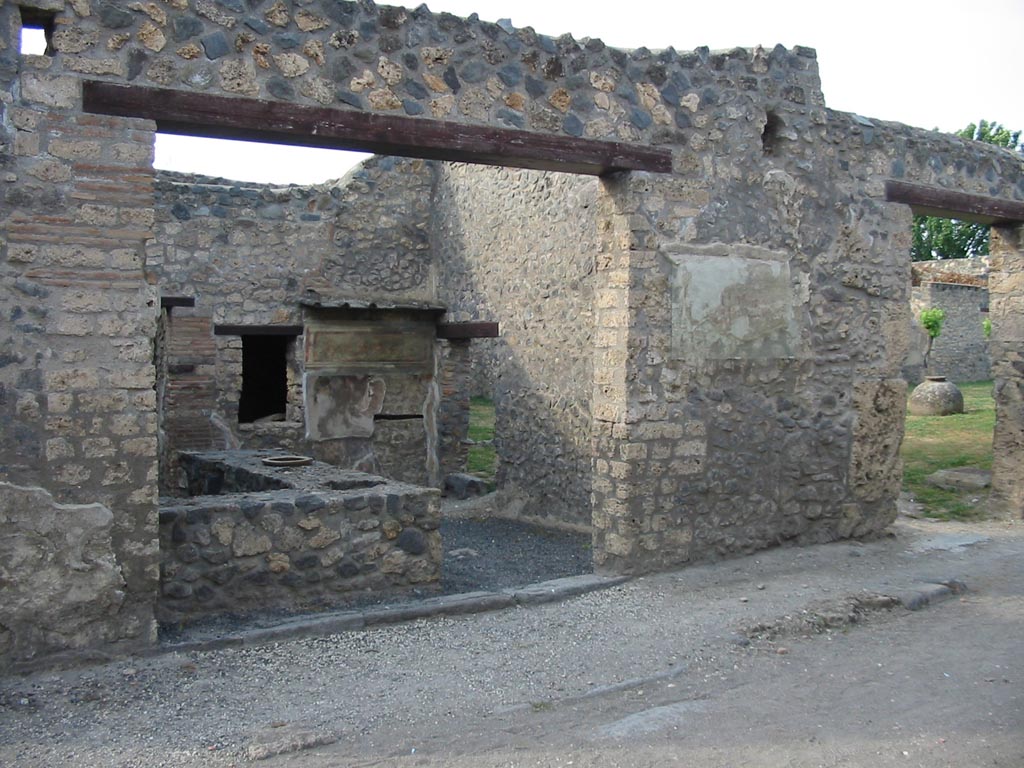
x=360 y=56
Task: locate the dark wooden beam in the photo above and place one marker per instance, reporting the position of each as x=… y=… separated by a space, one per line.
x=169 y=302
x=228 y=117
x=950 y=204
x=467 y=330
x=257 y=330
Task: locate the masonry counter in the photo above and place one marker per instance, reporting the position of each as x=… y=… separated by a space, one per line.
x=258 y=537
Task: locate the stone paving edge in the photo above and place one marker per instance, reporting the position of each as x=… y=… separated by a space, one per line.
x=445 y=605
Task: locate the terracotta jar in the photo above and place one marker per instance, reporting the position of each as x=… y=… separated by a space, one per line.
x=936 y=397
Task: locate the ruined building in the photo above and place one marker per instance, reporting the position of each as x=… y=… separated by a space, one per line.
x=700 y=273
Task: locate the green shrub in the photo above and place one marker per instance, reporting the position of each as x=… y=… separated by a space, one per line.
x=931 y=321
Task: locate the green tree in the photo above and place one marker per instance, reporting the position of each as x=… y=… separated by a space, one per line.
x=936 y=238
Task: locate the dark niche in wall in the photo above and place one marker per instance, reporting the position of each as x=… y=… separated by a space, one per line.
x=264 y=378
x=770 y=135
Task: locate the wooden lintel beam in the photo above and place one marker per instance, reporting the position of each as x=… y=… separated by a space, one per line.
x=467 y=330
x=948 y=203
x=257 y=330
x=169 y=302
x=230 y=117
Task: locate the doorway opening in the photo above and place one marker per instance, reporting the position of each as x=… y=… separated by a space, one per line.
x=246 y=247
x=264 y=393
x=947 y=448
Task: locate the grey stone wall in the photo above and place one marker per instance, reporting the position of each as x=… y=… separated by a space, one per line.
x=519 y=247
x=1007 y=345
x=358 y=55
x=77 y=404
x=960 y=353
x=61 y=577
x=969 y=271
x=749 y=310
x=766 y=333
x=290 y=539
x=247 y=254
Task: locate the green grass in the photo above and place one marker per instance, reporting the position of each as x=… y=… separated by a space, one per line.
x=482 y=460
x=932 y=443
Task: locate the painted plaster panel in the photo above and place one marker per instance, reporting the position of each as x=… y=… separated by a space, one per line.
x=732 y=304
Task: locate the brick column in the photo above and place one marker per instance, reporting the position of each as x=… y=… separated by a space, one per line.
x=78 y=348
x=642 y=453
x=453 y=413
x=188 y=391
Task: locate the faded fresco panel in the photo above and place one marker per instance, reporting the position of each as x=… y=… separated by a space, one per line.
x=735 y=304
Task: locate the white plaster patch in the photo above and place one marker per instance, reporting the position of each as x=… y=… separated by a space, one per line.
x=732 y=302
x=341 y=406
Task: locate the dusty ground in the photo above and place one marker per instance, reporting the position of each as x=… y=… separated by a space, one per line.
x=763 y=661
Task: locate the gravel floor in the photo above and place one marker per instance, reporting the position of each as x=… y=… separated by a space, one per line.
x=481 y=554
x=555 y=675
x=494 y=554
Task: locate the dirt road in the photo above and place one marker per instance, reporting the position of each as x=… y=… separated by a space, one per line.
x=782 y=659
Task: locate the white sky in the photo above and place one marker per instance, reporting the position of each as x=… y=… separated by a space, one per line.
x=929 y=63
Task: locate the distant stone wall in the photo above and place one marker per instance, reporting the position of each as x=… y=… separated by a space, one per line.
x=296 y=539
x=519 y=247
x=453 y=413
x=960 y=353
x=247 y=254
x=969 y=271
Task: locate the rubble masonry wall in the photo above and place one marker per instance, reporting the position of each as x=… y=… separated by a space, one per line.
x=749 y=309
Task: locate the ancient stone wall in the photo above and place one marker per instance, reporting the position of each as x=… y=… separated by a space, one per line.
x=519 y=248
x=61 y=576
x=781 y=355
x=969 y=271
x=247 y=254
x=748 y=310
x=293 y=540
x=960 y=353
x=77 y=405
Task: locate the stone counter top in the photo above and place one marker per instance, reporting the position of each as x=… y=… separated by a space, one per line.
x=240 y=471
